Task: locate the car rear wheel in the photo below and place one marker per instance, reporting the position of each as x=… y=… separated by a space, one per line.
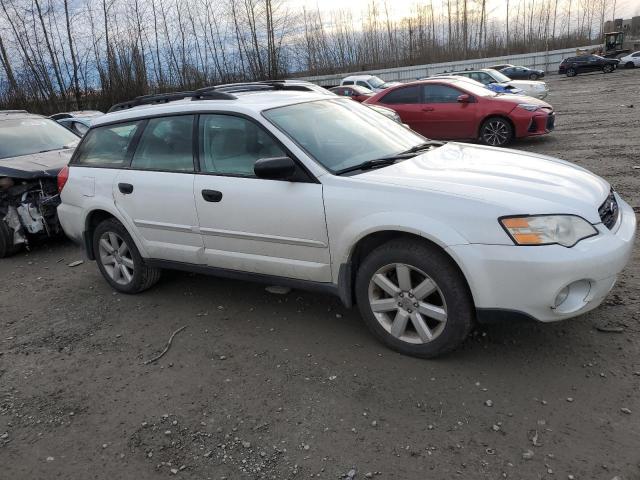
x=414 y=299
x=119 y=260
x=496 y=132
x=571 y=72
x=7 y=248
x=607 y=68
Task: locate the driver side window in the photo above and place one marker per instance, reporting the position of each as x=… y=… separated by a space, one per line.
x=231 y=145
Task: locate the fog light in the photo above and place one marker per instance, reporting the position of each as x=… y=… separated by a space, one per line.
x=562 y=296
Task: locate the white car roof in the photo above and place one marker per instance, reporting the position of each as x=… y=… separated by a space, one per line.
x=358 y=77
x=249 y=103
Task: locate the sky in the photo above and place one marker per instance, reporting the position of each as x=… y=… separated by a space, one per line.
x=401 y=8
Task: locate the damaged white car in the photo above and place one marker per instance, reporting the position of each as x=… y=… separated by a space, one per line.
x=33 y=149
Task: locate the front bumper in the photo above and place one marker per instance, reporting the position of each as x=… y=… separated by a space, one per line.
x=527 y=280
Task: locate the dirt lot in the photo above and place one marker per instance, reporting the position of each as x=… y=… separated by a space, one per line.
x=266 y=386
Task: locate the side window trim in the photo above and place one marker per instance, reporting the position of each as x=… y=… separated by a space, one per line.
x=133 y=146
x=310 y=178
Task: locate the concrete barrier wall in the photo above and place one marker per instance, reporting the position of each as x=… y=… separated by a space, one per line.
x=547 y=61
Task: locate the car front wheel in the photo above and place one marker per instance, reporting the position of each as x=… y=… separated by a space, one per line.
x=629 y=65
x=571 y=72
x=414 y=299
x=496 y=132
x=119 y=260
x=533 y=76
x=607 y=68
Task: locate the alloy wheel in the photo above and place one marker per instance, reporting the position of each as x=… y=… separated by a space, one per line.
x=496 y=133
x=407 y=303
x=116 y=258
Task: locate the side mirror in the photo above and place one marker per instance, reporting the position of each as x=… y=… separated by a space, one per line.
x=277 y=168
x=464 y=98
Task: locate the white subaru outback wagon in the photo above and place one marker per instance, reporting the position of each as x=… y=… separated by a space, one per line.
x=277 y=182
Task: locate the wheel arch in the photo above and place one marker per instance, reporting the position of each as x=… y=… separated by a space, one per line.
x=96 y=216
x=502 y=116
x=372 y=240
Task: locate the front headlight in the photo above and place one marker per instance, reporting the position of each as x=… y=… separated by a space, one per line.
x=565 y=230
x=529 y=106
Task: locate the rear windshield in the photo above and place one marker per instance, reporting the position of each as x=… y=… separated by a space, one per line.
x=27 y=136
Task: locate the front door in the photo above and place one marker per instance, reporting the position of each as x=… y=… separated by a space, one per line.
x=250 y=224
x=445 y=117
x=156 y=194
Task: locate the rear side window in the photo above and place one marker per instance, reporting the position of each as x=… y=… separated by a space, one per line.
x=440 y=94
x=402 y=96
x=107 y=146
x=166 y=144
x=348 y=82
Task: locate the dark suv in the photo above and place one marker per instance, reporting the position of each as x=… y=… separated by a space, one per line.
x=587 y=63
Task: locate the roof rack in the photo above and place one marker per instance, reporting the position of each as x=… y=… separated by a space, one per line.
x=203 y=94
x=217 y=92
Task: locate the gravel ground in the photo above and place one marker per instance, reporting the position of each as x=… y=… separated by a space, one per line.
x=293 y=386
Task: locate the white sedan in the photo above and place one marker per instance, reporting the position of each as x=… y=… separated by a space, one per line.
x=630 y=61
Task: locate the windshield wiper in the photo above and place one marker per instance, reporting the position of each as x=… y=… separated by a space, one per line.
x=423 y=146
x=391 y=159
x=371 y=164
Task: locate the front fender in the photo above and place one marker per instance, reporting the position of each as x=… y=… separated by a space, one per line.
x=343 y=242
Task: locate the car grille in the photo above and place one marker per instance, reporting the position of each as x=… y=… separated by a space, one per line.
x=551 y=121
x=608 y=211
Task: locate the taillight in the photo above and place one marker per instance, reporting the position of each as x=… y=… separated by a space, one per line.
x=63 y=176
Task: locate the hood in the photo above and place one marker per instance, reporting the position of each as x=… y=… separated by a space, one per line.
x=35 y=165
x=518 y=182
x=515 y=99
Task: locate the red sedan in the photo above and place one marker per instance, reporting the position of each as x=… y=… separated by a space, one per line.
x=451 y=109
x=355 y=92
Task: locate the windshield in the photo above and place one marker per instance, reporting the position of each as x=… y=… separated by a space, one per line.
x=500 y=77
x=340 y=133
x=376 y=82
x=26 y=136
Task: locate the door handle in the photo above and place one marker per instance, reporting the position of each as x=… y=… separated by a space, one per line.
x=212 y=195
x=125 y=188
x=427 y=109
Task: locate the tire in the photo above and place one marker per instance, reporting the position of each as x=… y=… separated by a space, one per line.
x=123 y=269
x=571 y=72
x=7 y=248
x=448 y=301
x=533 y=76
x=496 y=132
x=629 y=65
x=607 y=68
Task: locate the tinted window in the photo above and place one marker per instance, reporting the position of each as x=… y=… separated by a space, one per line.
x=440 y=94
x=166 y=144
x=402 y=96
x=362 y=84
x=635 y=55
x=231 y=145
x=107 y=146
x=348 y=82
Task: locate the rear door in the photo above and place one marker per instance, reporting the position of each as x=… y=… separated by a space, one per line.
x=251 y=224
x=155 y=193
x=407 y=102
x=447 y=118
